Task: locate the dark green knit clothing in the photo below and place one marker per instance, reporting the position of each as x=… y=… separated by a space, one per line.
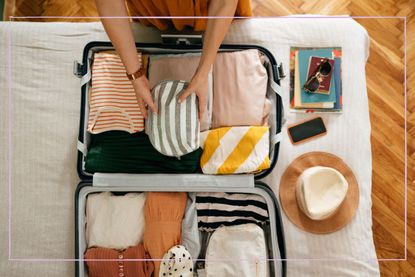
x=121 y=152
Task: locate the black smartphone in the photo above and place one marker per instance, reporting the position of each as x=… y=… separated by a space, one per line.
x=306 y=130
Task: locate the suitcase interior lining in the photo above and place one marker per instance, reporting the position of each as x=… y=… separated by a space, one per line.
x=269 y=228
x=271 y=93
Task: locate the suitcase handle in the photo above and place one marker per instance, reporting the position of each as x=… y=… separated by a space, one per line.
x=182 y=39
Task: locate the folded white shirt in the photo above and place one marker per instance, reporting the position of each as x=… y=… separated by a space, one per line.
x=115 y=221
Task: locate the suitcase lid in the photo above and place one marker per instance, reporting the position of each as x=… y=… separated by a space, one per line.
x=83 y=71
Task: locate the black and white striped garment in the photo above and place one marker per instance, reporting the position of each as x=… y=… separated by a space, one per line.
x=215 y=209
x=174 y=131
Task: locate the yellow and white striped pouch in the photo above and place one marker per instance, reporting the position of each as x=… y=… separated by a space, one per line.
x=231 y=150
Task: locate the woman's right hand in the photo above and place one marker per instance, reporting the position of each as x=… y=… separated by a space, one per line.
x=142 y=91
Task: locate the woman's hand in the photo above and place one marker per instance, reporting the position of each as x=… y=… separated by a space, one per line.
x=216 y=29
x=197 y=85
x=142 y=91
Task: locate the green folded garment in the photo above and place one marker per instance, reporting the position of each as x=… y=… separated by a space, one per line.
x=121 y=152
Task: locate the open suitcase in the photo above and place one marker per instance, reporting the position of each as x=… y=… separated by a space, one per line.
x=123 y=183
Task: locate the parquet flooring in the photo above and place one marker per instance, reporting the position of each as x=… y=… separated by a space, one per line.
x=385 y=77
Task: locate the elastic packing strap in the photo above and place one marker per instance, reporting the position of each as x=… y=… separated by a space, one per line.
x=276 y=88
x=87 y=76
x=82 y=148
x=277 y=138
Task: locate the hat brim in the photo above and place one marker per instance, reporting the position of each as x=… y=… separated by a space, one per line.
x=344 y=213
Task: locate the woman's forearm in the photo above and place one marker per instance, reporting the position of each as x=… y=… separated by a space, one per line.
x=216 y=29
x=121 y=35
x=119 y=31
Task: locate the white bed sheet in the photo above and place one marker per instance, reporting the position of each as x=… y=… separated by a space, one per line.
x=45 y=117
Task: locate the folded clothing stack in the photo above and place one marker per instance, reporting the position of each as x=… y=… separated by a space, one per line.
x=233 y=240
x=239 y=90
x=139 y=226
x=115 y=230
x=159 y=230
x=112 y=101
x=217 y=209
x=116 y=151
x=236 y=92
x=236 y=87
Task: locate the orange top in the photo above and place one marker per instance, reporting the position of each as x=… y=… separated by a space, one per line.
x=190 y=8
x=123 y=267
x=163 y=212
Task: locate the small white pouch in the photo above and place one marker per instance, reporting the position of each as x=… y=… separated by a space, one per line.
x=238 y=250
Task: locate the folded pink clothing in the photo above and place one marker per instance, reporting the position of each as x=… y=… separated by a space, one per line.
x=239 y=90
x=180 y=67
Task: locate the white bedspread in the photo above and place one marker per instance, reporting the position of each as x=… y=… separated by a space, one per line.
x=45 y=98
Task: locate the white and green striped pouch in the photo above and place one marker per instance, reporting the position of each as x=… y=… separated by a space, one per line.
x=174 y=131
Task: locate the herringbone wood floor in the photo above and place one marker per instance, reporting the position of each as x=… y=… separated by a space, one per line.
x=385 y=76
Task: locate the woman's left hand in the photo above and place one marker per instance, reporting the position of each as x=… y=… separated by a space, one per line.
x=197 y=85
